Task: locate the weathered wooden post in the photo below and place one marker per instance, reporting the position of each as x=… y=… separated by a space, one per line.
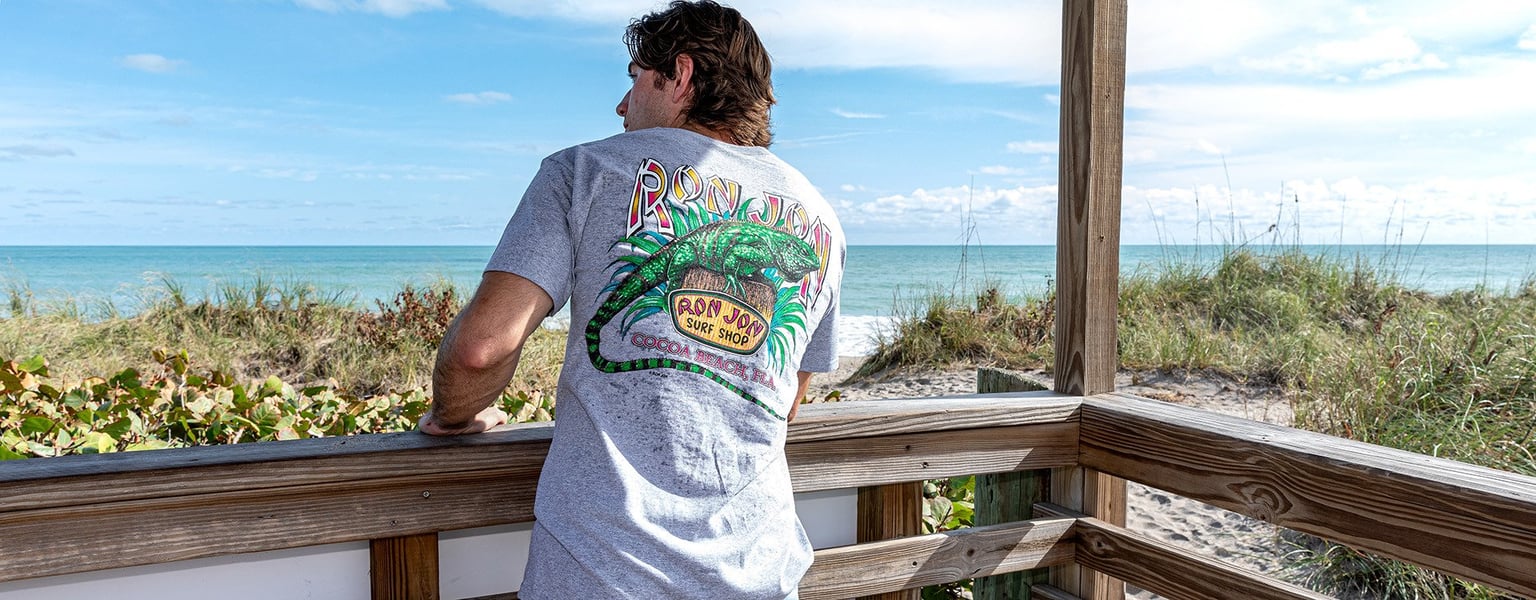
x=1088 y=250
x=404 y=568
x=1008 y=497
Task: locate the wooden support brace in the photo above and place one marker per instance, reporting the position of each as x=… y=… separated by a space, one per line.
x=404 y=568
x=1008 y=497
x=888 y=512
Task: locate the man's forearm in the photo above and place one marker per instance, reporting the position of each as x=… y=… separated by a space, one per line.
x=461 y=388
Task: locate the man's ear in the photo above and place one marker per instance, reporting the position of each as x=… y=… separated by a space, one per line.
x=684 y=70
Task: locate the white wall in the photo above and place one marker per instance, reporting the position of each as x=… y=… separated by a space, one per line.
x=474 y=562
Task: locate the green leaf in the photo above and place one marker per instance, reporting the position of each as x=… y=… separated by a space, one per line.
x=97 y=442
x=149 y=444
x=272 y=387
x=118 y=428
x=8 y=454
x=36 y=365
x=36 y=425
x=76 y=398
x=9 y=382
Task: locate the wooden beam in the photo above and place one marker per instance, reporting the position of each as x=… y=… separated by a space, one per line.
x=1041 y=591
x=404 y=568
x=939 y=558
x=1089 y=492
x=1008 y=497
x=1088 y=205
x=859 y=462
x=846 y=420
x=88 y=513
x=888 y=512
x=1171 y=571
x=1088 y=248
x=1463 y=520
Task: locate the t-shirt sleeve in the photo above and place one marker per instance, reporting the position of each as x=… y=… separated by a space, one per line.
x=537 y=243
x=821 y=355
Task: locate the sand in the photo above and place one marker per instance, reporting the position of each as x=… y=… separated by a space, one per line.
x=1236 y=539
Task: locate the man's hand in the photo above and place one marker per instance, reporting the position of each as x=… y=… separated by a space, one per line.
x=484 y=421
x=479 y=354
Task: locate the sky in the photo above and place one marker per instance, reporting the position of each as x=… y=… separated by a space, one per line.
x=420 y=122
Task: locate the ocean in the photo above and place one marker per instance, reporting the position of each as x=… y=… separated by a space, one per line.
x=878 y=279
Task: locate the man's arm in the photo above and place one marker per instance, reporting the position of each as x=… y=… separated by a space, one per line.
x=479 y=354
x=805 y=386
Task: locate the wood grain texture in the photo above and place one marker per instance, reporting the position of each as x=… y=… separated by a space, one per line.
x=858 y=462
x=1041 y=591
x=914 y=562
x=1089 y=492
x=847 y=420
x=404 y=568
x=1468 y=521
x=1008 y=497
x=888 y=512
x=89 y=513
x=1088 y=208
x=1170 y=571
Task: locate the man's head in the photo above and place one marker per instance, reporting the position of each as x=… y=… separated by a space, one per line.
x=706 y=60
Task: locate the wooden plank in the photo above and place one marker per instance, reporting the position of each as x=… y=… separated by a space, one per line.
x=155 y=507
x=100 y=478
x=1171 y=571
x=139 y=532
x=1007 y=497
x=914 y=562
x=834 y=464
x=1093 y=493
x=1088 y=207
x=1041 y=591
x=1464 y=520
x=1088 y=247
x=846 y=420
x=889 y=512
x=404 y=568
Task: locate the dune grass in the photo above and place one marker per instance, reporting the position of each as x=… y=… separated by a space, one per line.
x=292 y=331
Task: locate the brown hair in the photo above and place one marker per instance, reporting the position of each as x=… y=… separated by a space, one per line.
x=732 y=73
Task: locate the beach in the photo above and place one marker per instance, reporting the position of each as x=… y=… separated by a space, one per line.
x=1210 y=531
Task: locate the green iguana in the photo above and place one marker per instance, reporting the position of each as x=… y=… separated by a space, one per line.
x=737 y=250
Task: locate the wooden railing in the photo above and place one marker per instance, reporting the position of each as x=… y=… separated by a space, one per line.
x=88 y=513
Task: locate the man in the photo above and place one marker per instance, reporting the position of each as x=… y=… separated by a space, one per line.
x=703 y=276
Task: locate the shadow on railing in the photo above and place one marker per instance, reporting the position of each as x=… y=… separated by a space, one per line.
x=90 y=513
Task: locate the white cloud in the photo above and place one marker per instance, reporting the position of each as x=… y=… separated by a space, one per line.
x=1003 y=170
x=1348 y=210
x=1388 y=69
x=479 y=98
x=1384 y=52
x=1528 y=39
x=388 y=8
x=848 y=187
x=856 y=115
x=1033 y=147
x=16 y=152
x=151 y=63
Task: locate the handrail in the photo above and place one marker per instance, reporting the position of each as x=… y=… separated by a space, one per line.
x=87 y=513
x=1464 y=520
x=75 y=514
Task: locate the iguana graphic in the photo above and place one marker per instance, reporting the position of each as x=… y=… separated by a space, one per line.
x=737 y=250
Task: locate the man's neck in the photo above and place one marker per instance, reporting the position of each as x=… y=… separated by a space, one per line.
x=710 y=133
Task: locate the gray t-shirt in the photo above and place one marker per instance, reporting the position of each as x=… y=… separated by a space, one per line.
x=701 y=277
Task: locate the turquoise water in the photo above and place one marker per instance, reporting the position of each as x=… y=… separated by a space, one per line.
x=877 y=276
